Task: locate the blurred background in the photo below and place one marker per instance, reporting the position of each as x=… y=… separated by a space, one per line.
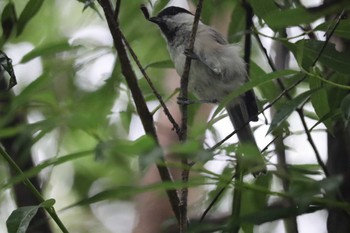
x=75 y=107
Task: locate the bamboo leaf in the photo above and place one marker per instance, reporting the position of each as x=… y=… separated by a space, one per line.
x=286 y=110
x=51 y=162
x=8 y=20
x=161 y=64
x=342 y=29
x=29 y=11
x=251 y=84
x=20 y=218
x=48 y=49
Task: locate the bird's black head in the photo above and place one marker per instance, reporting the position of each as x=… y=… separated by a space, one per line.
x=172 y=10
x=171 y=19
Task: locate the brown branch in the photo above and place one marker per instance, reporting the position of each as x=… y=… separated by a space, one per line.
x=140 y=103
x=154 y=90
x=117 y=9
x=184 y=119
x=312 y=143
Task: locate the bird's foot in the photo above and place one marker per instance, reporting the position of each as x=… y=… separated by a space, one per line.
x=191 y=54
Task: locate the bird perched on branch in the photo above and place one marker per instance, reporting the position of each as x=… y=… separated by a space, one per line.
x=216 y=71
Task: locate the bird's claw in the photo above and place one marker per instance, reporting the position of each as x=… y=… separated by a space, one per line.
x=191 y=54
x=184 y=101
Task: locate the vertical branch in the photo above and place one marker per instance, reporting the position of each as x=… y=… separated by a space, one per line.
x=140 y=103
x=184 y=120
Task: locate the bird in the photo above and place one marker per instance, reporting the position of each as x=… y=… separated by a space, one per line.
x=216 y=71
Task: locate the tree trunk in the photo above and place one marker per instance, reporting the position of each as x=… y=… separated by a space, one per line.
x=19 y=147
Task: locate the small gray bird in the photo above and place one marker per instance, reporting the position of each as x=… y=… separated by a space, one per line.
x=216 y=69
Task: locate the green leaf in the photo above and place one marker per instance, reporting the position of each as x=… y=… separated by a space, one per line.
x=29 y=11
x=159 y=5
x=290 y=17
x=268 y=90
x=50 y=162
x=263 y=79
x=278 y=18
x=6 y=64
x=272 y=214
x=123 y=147
x=251 y=159
x=305 y=169
x=187 y=147
x=306 y=51
x=237 y=26
x=130 y=190
x=328 y=117
x=342 y=30
x=330 y=184
x=48 y=203
x=160 y=64
x=319 y=100
x=263 y=8
x=286 y=110
x=345 y=107
x=20 y=218
x=253 y=201
x=125 y=118
x=90 y=4
x=8 y=20
x=48 y=49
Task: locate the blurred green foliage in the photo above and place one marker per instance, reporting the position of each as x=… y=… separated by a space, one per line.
x=94 y=126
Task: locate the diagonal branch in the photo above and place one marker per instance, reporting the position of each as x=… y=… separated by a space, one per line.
x=140 y=103
x=155 y=92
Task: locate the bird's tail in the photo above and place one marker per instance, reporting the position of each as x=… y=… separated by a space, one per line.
x=240 y=119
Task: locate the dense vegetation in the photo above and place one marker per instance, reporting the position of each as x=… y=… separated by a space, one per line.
x=79 y=127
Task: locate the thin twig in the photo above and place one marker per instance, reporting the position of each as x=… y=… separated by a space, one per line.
x=215 y=199
x=184 y=119
x=154 y=90
x=312 y=143
x=140 y=103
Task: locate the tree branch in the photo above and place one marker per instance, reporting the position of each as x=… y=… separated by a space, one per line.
x=184 y=119
x=155 y=92
x=141 y=107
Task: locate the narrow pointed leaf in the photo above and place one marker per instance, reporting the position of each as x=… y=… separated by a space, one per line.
x=29 y=11
x=341 y=30
x=48 y=49
x=20 y=218
x=287 y=109
x=8 y=19
x=251 y=84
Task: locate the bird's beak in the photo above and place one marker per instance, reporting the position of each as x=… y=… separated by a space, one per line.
x=155 y=20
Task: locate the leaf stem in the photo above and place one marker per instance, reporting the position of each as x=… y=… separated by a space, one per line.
x=50 y=210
